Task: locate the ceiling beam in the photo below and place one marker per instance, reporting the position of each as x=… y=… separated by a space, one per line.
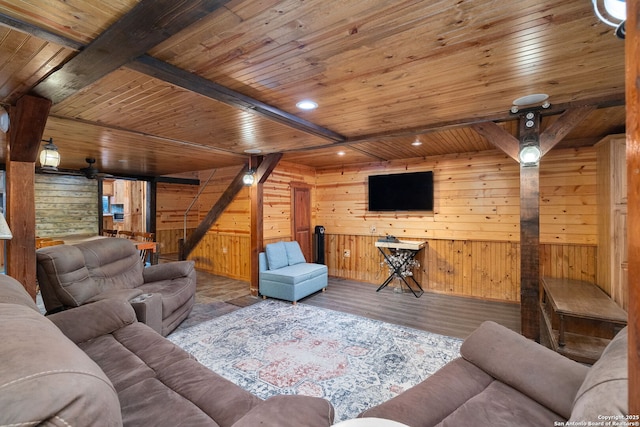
x=148 y=24
x=561 y=127
x=192 y=82
x=499 y=138
x=114 y=49
x=27 y=127
x=600 y=102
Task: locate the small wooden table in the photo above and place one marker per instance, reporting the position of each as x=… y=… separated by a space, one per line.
x=574 y=301
x=409 y=249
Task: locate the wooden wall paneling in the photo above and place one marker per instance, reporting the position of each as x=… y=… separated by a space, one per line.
x=478 y=269
x=476 y=197
x=632 y=76
x=224 y=254
x=65 y=205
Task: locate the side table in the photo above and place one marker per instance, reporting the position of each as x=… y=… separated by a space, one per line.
x=398 y=264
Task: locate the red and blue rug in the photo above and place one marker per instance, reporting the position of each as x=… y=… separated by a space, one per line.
x=274 y=347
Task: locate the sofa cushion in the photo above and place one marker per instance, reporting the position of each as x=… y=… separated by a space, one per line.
x=294 y=253
x=501 y=406
x=294 y=274
x=45 y=378
x=525 y=365
x=434 y=399
x=113 y=263
x=64 y=279
x=605 y=388
x=283 y=410
x=276 y=255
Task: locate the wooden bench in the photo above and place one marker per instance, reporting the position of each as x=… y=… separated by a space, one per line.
x=579 y=318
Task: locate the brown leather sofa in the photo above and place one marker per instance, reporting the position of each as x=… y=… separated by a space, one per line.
x=96 y=365
x=72 y=275
x=504 y=379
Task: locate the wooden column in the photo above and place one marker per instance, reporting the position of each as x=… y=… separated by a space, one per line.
x=265 y=166
x=530 y=231
x=25 y=135
x=632 y=59
x=257 y=233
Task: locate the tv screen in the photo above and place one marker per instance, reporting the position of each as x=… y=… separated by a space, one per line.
x=401 y=192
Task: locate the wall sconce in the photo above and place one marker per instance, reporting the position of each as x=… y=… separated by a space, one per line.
x=49 y=156
x=530 y=155
x=249 y=178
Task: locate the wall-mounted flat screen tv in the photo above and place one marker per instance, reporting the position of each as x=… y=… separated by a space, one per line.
x=401 y=192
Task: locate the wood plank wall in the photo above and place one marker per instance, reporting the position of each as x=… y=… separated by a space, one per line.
x=65 y=205
x=473 y=231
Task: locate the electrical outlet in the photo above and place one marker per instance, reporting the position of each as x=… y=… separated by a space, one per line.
x=224 y=250
x=347 y=253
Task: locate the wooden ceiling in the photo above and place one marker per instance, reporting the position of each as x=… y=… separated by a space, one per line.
x=157 y=87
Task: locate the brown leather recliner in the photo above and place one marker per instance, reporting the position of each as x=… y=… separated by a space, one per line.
x=72 y=275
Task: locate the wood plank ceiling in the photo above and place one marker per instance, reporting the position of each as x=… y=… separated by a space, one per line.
x=157 y=87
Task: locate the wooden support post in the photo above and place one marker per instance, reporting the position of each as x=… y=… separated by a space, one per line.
x=28 y=119
x=632 y=59
x=266 y=166
x=257 y=233
x=530 y=231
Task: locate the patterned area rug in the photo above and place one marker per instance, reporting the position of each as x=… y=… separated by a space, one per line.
x=274 y=347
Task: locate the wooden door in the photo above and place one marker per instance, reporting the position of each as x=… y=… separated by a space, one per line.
x=301 y=218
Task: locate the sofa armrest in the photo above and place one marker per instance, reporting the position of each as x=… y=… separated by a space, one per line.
x=540 y=373
x=289 y=410
x=89 y=321
x=168 y=271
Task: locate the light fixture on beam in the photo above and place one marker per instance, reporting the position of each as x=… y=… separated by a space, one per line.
x=530 y=101
x=49 y=156
x=249 y=178
x=530 y=155
x=616 y=15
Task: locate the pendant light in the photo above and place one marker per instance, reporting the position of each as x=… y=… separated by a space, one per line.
x=49 y=156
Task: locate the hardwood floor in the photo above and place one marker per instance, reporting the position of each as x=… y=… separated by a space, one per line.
x=442 y=314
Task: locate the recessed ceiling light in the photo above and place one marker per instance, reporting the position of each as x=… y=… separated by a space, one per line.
x=253 y=151
x=307 y=104
x=416 y=143
x=341 y=153
x=536 y=98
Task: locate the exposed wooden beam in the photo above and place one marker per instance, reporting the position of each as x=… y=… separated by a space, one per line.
x=267 y=165
x=562 y=126
x=499 y=137
x=27 y=127
x=148 y=24
x=601 y=102
x=530 y=234
x=192 y=82
x=38 y=32
x=632 y=59
x=214 y=213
